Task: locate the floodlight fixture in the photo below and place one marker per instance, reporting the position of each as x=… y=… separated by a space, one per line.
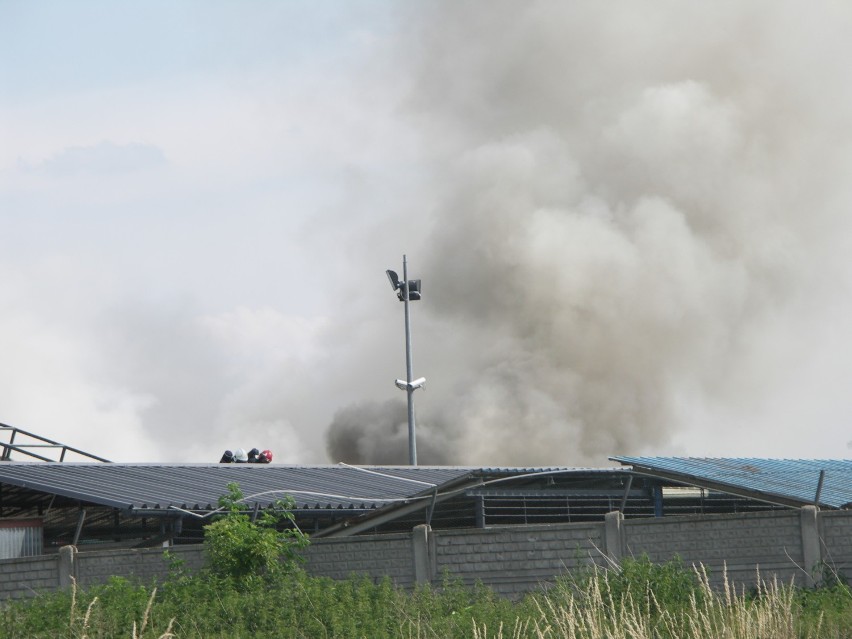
x=413 y=290
x=408 y=291
x=394 y=279
x=401 y=384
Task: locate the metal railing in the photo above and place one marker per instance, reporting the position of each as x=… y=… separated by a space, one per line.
x=43 y=444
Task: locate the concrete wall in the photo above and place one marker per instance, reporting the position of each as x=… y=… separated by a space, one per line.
x=771 y=540
x=145 y=564
x=376 y=556
x=515 y=559
x=836 y=536
x=511 y=559
x=27 y=576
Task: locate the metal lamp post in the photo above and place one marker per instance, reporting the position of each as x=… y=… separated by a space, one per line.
x=408 y=290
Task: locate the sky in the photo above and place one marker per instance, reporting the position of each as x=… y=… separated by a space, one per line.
x=631 y=223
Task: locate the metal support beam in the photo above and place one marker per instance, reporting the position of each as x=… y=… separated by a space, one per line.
x=43 y=442
x=557 y=493
x=81 y=518
x=626 y=494
x=479 y=506
x=819 y=487
x=658 y=501
x=431 y=510
x=391 y=513
x=7 y=452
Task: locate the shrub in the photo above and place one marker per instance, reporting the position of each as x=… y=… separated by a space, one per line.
x=242 y=549
x=649 y=587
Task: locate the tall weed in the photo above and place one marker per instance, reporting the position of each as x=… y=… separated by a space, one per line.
x=641 y=601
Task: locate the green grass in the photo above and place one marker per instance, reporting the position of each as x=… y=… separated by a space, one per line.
x=641 y=600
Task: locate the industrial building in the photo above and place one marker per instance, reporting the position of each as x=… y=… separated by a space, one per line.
x=45 y=505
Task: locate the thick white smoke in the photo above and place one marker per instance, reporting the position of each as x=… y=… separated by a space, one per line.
x=639 y=207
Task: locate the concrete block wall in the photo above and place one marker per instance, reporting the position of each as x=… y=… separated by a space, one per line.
x=770 y=540
x=836 y=536
x=510 y=559
x=516 y=559
x=376 y=556
x=27 y=576
x=144 y=564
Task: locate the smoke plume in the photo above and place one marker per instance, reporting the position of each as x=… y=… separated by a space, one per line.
x=631 y=223
x=636 y=206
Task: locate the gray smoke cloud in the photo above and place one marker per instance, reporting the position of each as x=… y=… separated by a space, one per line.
x=630 y=221
x=636 y=207
x=385 y=441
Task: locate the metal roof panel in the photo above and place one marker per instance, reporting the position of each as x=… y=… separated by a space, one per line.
x=790 y=481
x=199 y=486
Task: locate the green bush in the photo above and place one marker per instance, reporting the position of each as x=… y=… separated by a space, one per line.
x=830 y=605
x=243 y=549
x=649 y=587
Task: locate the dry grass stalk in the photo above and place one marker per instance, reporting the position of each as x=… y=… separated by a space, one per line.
x=168 y=634
x=594 y=613
x=519 y=630
x=147 y=611
x=73 y=602
x=89 y=609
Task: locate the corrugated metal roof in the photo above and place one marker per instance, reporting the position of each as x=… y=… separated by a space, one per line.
x=790 y=482
x=198 y=487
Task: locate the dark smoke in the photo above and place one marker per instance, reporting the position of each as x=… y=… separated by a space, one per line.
x=386 y=439
x=623 y=219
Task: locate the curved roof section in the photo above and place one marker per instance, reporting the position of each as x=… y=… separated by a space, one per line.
x=197 y=487
x=790 y=482
x=155 y=488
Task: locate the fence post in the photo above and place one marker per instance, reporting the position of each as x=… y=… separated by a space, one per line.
x=67 y=565
x=811 y=554
x=614 y=535
x=421 y=542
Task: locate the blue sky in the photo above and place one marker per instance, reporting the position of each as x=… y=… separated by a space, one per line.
x=173 y=162
x=630 y=226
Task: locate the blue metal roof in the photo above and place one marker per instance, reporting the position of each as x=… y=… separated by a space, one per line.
x=792 y=482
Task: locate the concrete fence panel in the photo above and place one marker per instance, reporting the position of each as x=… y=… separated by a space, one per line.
x=836 y=540
x=515 y=559
x=144 y=564
x=376 y=556
x=28 y=576
x=741 y=543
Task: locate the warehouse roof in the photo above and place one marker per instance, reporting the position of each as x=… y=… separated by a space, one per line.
x=790 y=482
x=197 y=487
x=330 y=499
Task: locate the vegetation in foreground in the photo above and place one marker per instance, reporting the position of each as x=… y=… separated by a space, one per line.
x=641 y=601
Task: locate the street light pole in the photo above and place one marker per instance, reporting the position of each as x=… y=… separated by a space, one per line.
x=408 y=290
x=409 y=390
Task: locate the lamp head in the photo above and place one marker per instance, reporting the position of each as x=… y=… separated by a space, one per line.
x=413 y=290
x=393 y=278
